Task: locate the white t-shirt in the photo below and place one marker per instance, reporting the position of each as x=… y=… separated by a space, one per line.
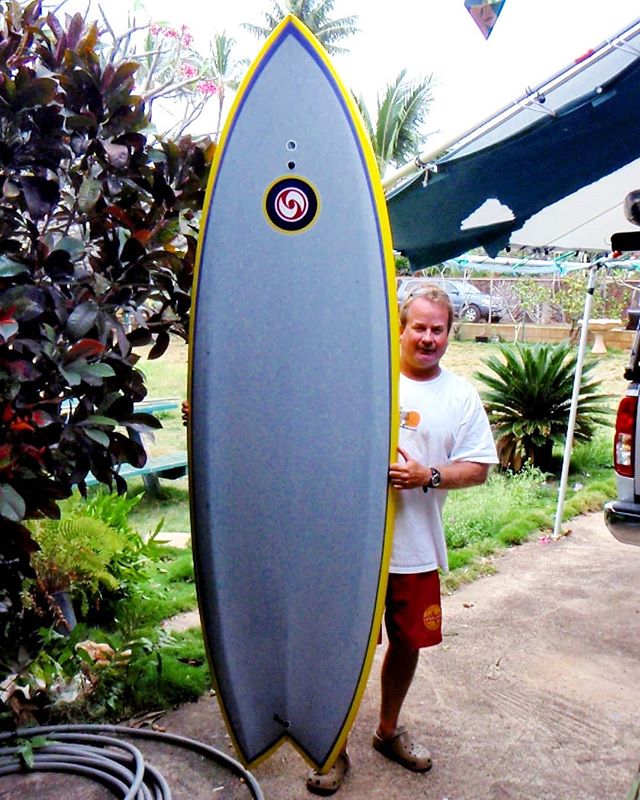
x=441 y=420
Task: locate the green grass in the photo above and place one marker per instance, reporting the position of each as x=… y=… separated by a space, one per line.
x=166 y=589
x=167 y=377
x=171 y=509
x=510 y=509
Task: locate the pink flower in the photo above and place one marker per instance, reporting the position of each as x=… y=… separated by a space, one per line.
x=181 y=34
x=185 y=35
x=208 y=88
x=188 y=71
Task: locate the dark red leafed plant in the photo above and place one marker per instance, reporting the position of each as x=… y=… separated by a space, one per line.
x=98 y=230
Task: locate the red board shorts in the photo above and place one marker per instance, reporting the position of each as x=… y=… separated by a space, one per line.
x=413 y=615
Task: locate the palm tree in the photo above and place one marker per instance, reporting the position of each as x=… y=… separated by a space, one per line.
x=316 y=16
x=402 y=111
x=226 y=70
x=529 y=400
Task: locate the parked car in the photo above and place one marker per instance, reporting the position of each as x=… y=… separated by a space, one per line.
x=622 y=515
x=470 y=304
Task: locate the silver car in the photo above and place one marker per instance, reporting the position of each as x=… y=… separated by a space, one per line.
x=470 y=304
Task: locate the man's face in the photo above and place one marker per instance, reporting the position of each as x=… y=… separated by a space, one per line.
x=423 y=339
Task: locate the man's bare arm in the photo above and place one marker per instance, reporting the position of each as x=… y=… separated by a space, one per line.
x=411 y=474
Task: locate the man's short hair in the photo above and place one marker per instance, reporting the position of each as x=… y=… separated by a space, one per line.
x=434 y=294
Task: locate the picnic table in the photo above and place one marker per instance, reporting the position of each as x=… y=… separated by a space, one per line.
x=171 y=466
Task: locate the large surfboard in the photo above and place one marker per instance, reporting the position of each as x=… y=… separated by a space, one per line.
x=293 y=372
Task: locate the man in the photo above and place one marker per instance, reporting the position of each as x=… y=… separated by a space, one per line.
x=445 y=443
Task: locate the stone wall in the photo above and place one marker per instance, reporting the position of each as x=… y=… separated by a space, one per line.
x=618 y=338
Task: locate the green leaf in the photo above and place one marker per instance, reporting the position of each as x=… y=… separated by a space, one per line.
x=12 y=505
x=98 y=419
x=69 y=244
x=36 y=92
x=9 y=267
x=98 y=370
x=82 y=319
x=79 y=121
x=529 y=401
x=26 y=753
x=98 y=436
x=123 y=73
x=84 y=655
x=89 y=194
x=72 y=377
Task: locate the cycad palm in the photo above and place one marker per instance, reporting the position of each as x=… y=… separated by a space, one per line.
x=316 y=15
x=529 y=401
x=402 y=111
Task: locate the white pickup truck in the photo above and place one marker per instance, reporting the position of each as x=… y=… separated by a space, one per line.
x=622 y=515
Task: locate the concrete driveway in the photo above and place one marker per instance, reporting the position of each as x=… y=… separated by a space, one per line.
x=535 y=693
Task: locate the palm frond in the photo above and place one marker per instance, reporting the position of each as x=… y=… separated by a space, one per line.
x=402 y=110
x=316 y=15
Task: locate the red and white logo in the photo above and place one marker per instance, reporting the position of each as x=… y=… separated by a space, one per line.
x=291 y=204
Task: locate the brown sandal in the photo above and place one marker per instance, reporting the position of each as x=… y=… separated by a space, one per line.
x=403 y=750
x=331 y=781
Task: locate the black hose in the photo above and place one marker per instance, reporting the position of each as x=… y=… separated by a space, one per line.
x=95 y=752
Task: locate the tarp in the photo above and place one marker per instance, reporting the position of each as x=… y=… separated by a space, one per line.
x=533 y=266
x=552 y=173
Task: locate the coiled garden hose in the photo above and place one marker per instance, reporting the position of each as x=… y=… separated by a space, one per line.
x=96 y=752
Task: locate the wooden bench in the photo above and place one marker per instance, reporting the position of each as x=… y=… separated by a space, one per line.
x=172 y=466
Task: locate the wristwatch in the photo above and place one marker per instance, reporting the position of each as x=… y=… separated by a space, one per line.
x=434 y=481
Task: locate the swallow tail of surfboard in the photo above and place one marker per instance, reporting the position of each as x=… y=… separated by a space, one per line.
x=293 y=406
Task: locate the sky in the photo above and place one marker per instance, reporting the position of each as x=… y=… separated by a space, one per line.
x=473 y=77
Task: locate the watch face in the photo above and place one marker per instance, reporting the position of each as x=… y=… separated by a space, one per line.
x=436 y=478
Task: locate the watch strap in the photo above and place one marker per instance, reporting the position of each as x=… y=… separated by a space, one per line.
x=434 y=480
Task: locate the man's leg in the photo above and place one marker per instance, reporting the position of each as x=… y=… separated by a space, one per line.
x=395 y=742
x=413 y=620
x=398 y=669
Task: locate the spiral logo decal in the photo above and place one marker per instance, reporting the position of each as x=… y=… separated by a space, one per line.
x=291 y=204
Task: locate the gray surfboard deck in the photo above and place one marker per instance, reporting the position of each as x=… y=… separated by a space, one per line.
x=292 y=389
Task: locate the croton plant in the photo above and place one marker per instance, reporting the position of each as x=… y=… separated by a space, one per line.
x=98 y=233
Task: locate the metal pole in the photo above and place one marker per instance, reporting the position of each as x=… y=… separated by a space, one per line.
x=563 y=75
x=568 y=445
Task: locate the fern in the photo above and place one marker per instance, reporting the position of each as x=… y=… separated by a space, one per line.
x=74 y=555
